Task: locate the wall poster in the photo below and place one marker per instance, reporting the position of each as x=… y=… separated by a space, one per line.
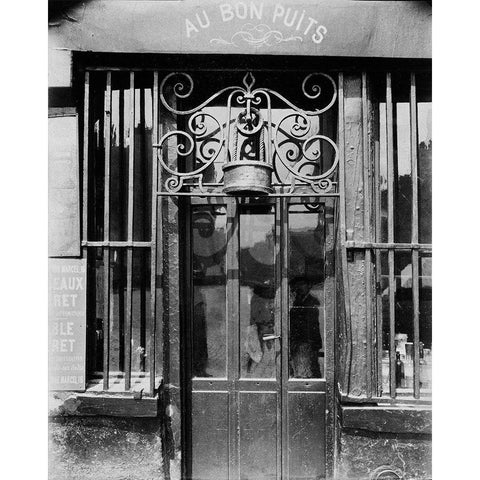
x=67 y=323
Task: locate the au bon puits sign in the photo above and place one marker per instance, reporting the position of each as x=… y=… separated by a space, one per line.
x=254 y=23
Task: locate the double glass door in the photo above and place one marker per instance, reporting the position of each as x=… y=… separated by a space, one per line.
x=254 y=339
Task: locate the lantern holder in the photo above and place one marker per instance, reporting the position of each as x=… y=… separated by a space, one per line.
x=256 y=155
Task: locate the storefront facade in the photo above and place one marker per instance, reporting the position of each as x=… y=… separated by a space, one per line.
x=240 y=239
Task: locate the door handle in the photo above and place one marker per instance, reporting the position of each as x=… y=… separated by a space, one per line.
x=270 y=337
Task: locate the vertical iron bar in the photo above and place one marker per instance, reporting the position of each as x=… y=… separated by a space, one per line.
x=233 y=292
x=366 y=233
x=154 y=239
x=415 y=266
x=106 y=232
x=107 y=130
x=391 y=271
x=128 y=321
x=131 y=160
x=106 y=317
x=285 y=331
x=86 y=120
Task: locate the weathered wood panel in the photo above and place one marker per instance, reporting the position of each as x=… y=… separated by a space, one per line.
x=356 y=377
x=104 y=405
x=257 y=435
x=388 y=419
x=63 y=187
x=306 y=435
x=209 y=443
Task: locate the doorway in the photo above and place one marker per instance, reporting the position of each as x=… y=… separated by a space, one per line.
x=254 y=335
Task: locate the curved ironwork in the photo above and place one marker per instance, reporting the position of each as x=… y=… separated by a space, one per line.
x=293 y=145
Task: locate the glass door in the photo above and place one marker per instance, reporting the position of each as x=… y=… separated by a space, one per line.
x=254 y=340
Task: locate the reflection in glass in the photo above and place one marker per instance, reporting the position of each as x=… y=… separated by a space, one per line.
x=306 y=267
x=209 y=291
x=425 y=271
x=424 y=112
x=257 y=291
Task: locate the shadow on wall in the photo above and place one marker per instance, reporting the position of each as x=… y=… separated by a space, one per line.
x=58 y=9
x=105 y=448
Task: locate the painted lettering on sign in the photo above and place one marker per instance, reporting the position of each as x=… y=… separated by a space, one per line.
x=67 y=319
x=263 y=26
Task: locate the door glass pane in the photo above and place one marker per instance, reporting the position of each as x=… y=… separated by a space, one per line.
x=257 y=291
x=306 y=250
x=209 y=226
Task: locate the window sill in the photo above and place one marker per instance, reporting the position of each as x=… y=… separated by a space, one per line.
x=65 y=404
x=416 y=419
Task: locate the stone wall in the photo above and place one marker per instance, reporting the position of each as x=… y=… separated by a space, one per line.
x=105 y=448
x=361 y=453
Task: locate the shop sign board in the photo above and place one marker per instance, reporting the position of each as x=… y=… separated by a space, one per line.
x=67 y=323
x=286 y=27
x=63 y=187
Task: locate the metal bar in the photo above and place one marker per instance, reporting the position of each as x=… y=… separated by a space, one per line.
x=154 y=240
x=128 y=322
x=106 y=232
x=387 y=246
x=86 y=119
x=414 y=156
x=106 y=317
x=131 y=159
x=117 y=244
x=415 y=266
x=107 y=130
x=366 y=234
x=233 y=291
x=211 y=194
x=391 y=299
x=391 y=258
x=281 y=212
x=416 y=325
x=390 y=160
x=285 y=342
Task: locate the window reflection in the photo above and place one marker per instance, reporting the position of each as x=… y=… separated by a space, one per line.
x=306 y=266
x=209 y=279
x=257 y=291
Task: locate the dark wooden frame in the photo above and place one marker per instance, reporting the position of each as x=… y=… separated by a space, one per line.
x=326 y=385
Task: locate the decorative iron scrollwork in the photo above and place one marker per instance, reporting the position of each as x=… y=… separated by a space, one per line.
x=245 y=129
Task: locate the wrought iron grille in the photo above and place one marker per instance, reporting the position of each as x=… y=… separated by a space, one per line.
x=256 y=129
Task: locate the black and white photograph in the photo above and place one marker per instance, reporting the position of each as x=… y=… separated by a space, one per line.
x=240 y=240
x=239 y=277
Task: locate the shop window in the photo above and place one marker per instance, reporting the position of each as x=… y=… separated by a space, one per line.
x=403 y=201
x=117 y=226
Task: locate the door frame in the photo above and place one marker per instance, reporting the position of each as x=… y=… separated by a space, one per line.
x=232 y=290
